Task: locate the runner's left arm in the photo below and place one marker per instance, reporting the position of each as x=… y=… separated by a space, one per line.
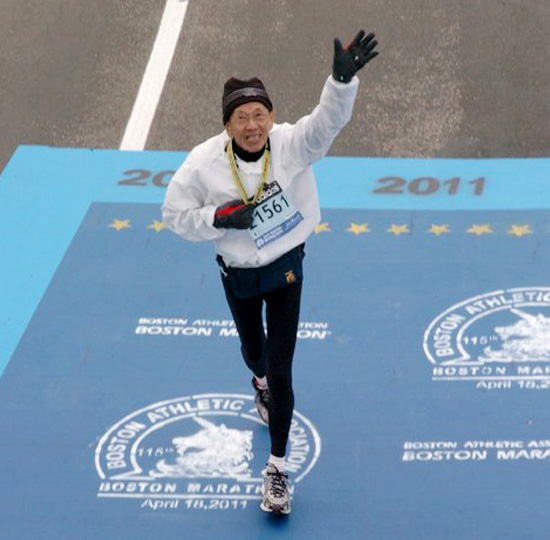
x=313 y=135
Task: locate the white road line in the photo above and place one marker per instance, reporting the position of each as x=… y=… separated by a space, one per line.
x=152 y=84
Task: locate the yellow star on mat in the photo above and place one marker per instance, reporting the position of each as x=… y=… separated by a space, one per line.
x=439 y=229
x=322 y=227
x=157 y=225
x=485 y=228
x=119 y=224
x=520 y=230
x=399 y=229
x=358 y=228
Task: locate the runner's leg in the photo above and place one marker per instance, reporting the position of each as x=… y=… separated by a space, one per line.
x=282 y=315
x=247 y=314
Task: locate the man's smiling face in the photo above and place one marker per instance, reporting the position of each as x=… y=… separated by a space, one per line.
x=249 y=125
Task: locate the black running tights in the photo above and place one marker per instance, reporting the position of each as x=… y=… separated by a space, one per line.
x=271 y=355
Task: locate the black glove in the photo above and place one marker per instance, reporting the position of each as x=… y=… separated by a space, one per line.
x=350 y=59
x=234 y=215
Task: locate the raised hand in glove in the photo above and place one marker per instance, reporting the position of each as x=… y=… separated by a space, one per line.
x=350 y=59
x=234 y=215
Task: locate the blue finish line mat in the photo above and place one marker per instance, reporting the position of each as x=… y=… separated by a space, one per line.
x=421 y=373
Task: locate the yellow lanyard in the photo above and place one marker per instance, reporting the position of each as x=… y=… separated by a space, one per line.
x=237 y=178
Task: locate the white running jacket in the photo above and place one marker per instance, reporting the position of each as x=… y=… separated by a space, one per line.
x=204 y=181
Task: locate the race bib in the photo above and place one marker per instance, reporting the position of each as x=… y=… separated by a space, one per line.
x=274 y=216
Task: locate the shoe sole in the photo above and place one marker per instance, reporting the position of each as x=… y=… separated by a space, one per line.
x=274 y=509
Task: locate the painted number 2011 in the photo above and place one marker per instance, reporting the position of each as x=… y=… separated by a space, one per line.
x=426 y=185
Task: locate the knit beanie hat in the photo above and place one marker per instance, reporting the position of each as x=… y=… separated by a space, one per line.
x=236 y=92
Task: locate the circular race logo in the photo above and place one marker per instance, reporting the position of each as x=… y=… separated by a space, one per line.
x=503 y=336
x=197 y=449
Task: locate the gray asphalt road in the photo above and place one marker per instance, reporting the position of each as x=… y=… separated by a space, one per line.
x=454 y=79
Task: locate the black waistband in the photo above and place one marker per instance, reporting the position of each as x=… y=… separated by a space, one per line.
x=297 y=250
